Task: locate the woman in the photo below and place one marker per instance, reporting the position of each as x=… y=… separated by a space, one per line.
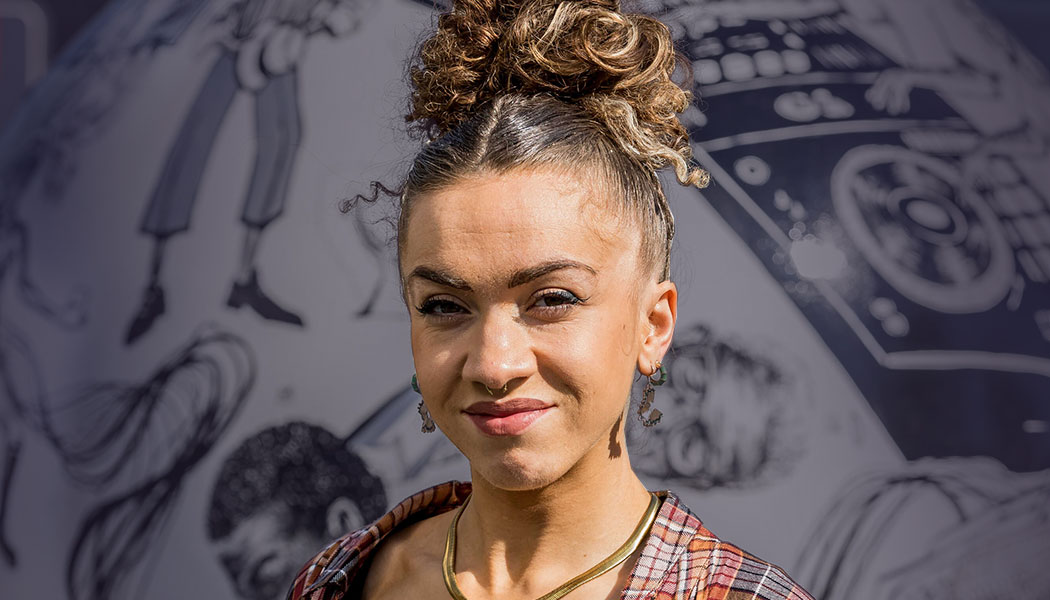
x=533 y=247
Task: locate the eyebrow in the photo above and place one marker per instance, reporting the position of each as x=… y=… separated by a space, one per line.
x=528 y=274
x=519 y=278
x=440 y=278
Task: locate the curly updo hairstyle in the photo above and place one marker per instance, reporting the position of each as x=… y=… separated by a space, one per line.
x=572 y=85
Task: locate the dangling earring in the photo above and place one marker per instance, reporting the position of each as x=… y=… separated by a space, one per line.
x=428 y=423
x=647 y=396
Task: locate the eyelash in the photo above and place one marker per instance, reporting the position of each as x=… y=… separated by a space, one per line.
x=430 y=306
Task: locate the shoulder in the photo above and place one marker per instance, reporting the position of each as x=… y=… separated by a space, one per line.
x=408 y=563
x=344 y=564
x=732 y=573
x=721 y=570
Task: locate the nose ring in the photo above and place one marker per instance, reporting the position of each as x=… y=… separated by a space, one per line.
x=502 y=390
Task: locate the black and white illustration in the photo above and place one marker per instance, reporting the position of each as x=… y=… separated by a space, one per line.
x=863 y=348
x=989 y=518
x=261 y=47
x=143 y=440
x=734 y=416
x=282 y=494
x=889 y=170
x=893 y=178
x=21 y=394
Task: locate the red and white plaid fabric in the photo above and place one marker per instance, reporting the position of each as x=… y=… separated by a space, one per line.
x=681 y=558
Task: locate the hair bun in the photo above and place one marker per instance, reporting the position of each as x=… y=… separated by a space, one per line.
x=617 y=66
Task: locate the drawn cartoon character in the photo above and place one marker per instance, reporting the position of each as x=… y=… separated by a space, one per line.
x=265 y=44
x=283 y=493
x=731 y=416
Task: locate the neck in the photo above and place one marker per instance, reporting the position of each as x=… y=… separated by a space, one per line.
x=525 y=543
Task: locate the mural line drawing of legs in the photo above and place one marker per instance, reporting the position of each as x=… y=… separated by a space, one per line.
x=176 y=190
x=279 y=130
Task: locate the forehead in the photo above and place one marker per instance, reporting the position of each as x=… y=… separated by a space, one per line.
x=490 y=223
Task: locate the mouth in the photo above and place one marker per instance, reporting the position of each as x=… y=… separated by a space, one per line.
x=507 y=417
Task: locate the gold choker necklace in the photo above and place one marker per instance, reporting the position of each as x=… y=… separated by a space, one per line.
x=448 y=563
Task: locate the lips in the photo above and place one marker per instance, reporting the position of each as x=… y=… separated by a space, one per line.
x=506 y=407
x=507 y=417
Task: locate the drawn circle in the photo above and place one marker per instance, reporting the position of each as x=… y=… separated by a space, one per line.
x=752 y=170
x=929 y=235
x=896 y=326
x=882 y=308
x=928 y=215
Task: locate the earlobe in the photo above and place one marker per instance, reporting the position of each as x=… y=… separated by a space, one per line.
x=661 y=321
x=343 y=517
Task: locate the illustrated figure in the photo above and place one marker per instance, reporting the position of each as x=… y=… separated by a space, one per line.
x=732 y=416
x=918 y=531
x=20 y=383
x=120 y=438
x=260 y=57
x=280 y=495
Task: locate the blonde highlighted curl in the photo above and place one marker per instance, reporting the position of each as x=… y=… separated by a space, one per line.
x=616 y=66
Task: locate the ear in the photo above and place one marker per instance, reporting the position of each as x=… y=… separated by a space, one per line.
x=662 y=314
x=343 y=517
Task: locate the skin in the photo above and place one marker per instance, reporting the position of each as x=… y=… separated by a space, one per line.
x=555 y=500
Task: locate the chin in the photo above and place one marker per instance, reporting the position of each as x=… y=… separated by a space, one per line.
x=516 y=470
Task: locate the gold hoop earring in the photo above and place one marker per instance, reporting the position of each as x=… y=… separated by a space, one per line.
x=649 y=393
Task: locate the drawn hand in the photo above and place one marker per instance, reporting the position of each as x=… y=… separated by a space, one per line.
x=282 y=50
x=250 y=75
x=891 y=92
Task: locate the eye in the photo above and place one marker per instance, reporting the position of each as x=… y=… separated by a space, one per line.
x=556 y=300
x=440 y=307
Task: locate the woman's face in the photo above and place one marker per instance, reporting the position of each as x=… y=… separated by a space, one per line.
x=527 y=280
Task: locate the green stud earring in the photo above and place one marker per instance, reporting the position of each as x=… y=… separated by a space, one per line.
x=415 y=384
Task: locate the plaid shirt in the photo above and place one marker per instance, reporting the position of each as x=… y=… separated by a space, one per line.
x=681 y=558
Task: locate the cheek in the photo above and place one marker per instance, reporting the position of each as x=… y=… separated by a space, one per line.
x=437 y=356
x=592 y=359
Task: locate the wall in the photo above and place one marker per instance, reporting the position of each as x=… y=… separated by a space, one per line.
x=194 y=339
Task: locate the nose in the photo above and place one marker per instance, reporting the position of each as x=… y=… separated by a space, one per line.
x=500 y=353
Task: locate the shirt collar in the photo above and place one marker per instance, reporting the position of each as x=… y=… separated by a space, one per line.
x=339 y=564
